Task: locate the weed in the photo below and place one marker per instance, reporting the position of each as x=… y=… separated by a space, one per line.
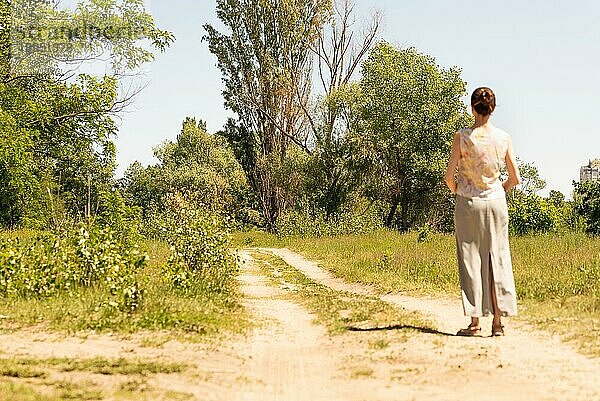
x=362 y=373
x=380 y=344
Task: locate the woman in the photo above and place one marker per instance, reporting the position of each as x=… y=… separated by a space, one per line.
x=481 y=216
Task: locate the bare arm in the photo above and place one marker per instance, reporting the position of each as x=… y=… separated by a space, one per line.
x=514 y=177
x=453 y=163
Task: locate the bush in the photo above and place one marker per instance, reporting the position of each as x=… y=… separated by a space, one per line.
x=200 y=259
x=124 y=220
x=306 y=223
x=530 y=213
x=83 y=257
x=587 y=205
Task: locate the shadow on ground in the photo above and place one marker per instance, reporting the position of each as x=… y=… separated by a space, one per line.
x=425 y=330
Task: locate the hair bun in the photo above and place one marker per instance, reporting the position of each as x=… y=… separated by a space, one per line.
x=483 y=101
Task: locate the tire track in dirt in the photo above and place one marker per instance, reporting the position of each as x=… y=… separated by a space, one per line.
x=290 y=358
x=283 y=357
x=527 y=364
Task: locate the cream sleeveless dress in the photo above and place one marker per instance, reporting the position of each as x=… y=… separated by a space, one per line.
x=481 y=224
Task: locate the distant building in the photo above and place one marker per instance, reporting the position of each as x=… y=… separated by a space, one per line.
x=590 y=172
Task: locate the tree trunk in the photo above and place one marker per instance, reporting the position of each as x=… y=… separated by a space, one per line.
x=390 y=217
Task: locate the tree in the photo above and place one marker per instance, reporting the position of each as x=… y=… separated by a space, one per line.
x=61 y=121
x=197 y=163
x=556 y=197
x=411 y=109
x=16 y=156
x=48 y=41
x=266 y=62
x=587 y=204
x=336 y=166
x=530 y=213
x=531 y=182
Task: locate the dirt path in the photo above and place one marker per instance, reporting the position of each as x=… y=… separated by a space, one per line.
x=288 y=357
x=526 y=364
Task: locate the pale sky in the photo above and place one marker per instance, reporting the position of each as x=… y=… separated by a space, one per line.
x=540 y=57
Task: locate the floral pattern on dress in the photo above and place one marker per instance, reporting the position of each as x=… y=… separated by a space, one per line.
x=481 y=158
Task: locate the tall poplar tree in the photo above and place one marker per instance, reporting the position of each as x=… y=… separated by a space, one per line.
x=265 y=58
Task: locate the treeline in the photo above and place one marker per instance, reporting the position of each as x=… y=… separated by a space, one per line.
x=335 y=131
x=339 y=155
x=57 y=126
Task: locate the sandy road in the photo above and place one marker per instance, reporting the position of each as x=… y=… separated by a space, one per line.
x=525 y=365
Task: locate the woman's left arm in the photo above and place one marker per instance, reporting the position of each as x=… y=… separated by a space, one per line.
x=453 y=163
x=514 y=177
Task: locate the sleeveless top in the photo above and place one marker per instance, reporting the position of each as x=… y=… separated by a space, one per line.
x=481 y=158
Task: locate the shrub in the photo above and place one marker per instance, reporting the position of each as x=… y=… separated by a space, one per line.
x=530 y=213
x=200 y=259
x=306 y=223
x=587 y=204
x=85 y=257
x=124 y=220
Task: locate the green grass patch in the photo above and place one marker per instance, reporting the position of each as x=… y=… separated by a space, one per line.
x=337 y=310
x=257 y=238
x=16 y=369
x=390 y=261
x=56 y=391
x=557 y=275
x=20 y=392
x=68 y=391
x=35 y=367
x=41 y=386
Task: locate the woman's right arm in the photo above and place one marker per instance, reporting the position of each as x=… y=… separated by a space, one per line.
x=453 y=163
x=514 y=177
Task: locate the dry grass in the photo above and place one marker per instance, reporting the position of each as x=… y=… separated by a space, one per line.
x=36 y=379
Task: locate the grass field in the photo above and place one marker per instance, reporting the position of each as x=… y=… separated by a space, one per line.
x=162 y=308
x=557 y=276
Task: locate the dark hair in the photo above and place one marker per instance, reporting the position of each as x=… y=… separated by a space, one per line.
x=483 y=101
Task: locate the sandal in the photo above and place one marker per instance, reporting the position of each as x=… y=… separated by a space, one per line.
x=497 y=330
x=470 y=331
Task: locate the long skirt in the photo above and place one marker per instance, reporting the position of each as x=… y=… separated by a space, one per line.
x=483 y=253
